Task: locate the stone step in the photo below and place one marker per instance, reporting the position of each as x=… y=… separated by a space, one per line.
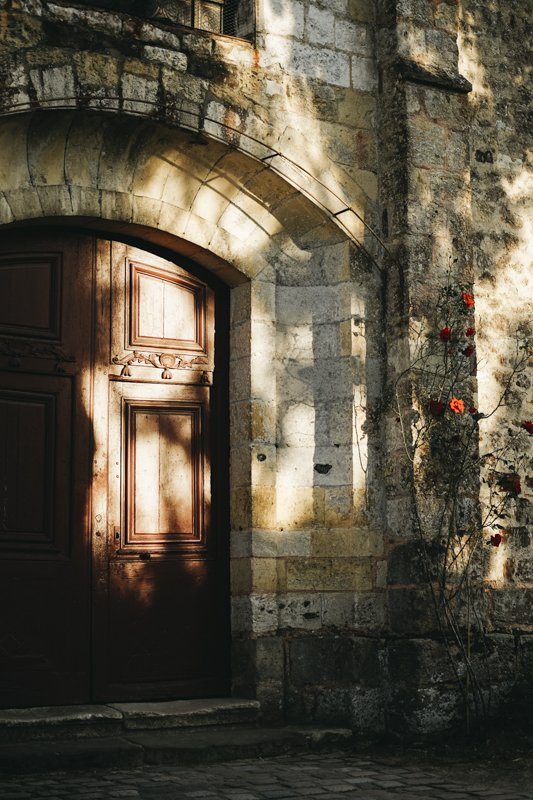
x=178 y=746
x=94 y=721
x=187 y=713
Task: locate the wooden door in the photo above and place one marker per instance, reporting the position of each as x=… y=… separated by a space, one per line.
x=113 y=533
x=45 y=449
x=161 y=616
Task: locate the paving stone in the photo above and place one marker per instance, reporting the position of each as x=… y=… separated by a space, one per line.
x=339 y=776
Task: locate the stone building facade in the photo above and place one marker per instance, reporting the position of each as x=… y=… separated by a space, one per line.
x=325 y=167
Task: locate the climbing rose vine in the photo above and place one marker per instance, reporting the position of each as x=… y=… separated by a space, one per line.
x=442 y=428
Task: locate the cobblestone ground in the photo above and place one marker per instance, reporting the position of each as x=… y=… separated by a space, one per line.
x=317 y=777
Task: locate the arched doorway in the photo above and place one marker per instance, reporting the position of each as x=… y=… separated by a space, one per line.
x=113 y=473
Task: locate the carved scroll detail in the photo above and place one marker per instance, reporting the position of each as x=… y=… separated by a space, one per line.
x=166 y=361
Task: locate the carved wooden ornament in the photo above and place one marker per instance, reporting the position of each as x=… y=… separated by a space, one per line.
x=166 y=361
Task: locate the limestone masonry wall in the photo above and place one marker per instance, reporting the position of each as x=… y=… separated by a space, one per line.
x=269 y=162
x=495 y=57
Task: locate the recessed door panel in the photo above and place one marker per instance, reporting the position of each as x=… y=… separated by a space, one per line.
x=35 y=463
x=166 y=308
x=164 y=473
x=30 y=288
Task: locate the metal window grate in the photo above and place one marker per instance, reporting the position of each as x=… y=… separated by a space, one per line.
x=231 y=17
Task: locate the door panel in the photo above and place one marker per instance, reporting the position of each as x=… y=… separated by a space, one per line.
x=45 y=445
x=167 y=597
x=30 y=288
x=164 y=483
x=35 y=449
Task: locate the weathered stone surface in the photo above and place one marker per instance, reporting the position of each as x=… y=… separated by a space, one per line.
x=186 y=713
x=323 y=533
x=334 y=660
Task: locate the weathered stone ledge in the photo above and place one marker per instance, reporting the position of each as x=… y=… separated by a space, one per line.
x=412 y=72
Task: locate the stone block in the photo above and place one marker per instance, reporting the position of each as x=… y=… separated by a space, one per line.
x=299 y=507
x=419 y=662
x=457 y=152
x=255 y=614
x=368 y=710
x=14 y=170
x=293 y=543
x=328 y=705
x=446 y=108
x=318 y=660
x=321 y=64
x=257 y=660
x=352 y=37
x=411 y=612
x=426 y=144
x=513 y=608
x=82 y=150
x=424 y=711
x=257 y=575
x=6 y=215
x=263 y=464
x=339 y=507
x=241 y=508
x=97 y=69
x=285 y=17
x=356 y=108
x=300 y=611
x=101 y=20
x=363 y=74
x=270 y=695
x=320 y=26
x=328 y=574
x=139 y=94
x=169 y=58
x=54 y=201
x=406 y=562
x=337 y=609
x=239 y=389
x=263 y=421
x=54 y=84
x=146 y=211
x=369 y=611
x=263 y=507
x=360 y=10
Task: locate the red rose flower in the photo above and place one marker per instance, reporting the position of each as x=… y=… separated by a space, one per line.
x=528 y=426
x=468 y=299
x=445 y=334
x=470 y=332
x=496 y=539
x=468 y=351
x=457 y=405
x=436 y=408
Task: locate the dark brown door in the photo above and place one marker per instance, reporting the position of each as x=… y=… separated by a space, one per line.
x=45 y=448
x=114 y=536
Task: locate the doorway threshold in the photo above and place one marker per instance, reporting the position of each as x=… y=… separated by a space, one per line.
x=113 y=719
x=128 y=735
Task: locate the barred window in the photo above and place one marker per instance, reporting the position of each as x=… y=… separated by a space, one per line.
x=231 y=17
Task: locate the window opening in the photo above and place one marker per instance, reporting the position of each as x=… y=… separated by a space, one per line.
x=231 y=17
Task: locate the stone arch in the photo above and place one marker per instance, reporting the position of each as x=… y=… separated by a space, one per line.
x=136 y=171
